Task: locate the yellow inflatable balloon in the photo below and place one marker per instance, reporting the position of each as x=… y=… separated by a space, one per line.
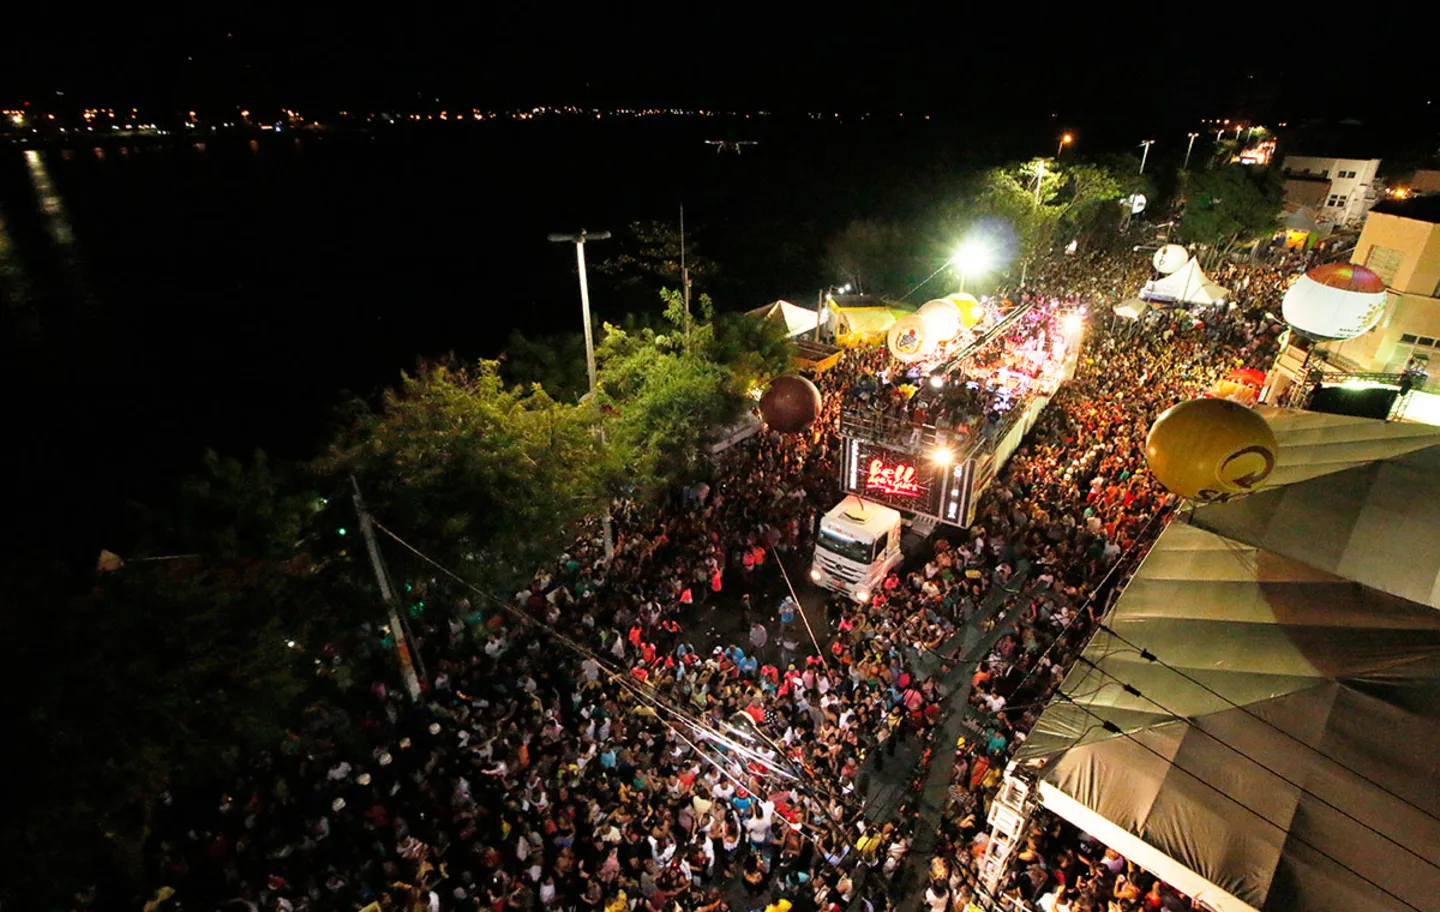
x=1210 y=450
x=971 y=310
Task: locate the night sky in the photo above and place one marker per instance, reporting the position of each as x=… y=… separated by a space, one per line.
x=1165 y=67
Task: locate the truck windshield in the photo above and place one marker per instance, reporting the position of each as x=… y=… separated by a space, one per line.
x=849 y=548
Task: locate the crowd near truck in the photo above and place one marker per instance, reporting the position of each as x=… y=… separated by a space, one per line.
x=896 y=473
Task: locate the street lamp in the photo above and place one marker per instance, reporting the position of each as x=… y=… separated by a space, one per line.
x=1064 y=141
x=823 y=300
x=972 y=256
x=1145 y=154
x=579 y=241
x=1186 y=166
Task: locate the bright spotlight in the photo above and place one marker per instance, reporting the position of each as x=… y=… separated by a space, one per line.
x=973 y=257
x=942 y=456
x=1072 y=323
x=937 y=380
x=815 y=575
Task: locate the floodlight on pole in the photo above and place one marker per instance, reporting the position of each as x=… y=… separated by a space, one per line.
x=971 y=257
x=1145 y=154
x=579 y=241
x=1065 y=140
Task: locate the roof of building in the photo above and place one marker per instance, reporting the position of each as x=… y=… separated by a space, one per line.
x=1421 y=208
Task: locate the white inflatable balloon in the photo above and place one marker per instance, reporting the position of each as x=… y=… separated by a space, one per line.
x=1170 y=258
x=942 y=316
x=908 y=338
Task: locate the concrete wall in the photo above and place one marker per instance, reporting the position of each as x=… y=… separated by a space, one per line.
x=1413 y=308
x=1415 y=241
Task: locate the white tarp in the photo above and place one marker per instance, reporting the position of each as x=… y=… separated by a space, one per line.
x=1187 y=285
x=796 y=319
x=1131 y=308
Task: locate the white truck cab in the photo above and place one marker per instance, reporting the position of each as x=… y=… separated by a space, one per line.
x=859 y=543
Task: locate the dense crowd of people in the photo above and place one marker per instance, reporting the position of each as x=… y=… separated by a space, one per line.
x=603 y=742
x=974 y=396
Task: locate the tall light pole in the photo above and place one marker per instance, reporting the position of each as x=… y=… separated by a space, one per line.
x=1145 y=154
x=1064 y=141
x=579 y=241
x=1039 y=178
x=1186 y=166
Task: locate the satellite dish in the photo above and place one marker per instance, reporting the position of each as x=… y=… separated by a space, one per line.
x=1135 y=203
x=1170 y=258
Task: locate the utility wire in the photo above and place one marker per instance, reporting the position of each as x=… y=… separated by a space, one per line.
x=1285 y=831
x=647 y=694
x=1151 y=657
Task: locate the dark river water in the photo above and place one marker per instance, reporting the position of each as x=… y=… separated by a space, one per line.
x=162 y=297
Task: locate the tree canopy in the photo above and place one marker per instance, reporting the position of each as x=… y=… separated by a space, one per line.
x=494 y=475
x=1231 y=204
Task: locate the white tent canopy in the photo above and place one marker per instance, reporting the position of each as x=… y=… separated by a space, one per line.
x=1187 y=285
x=1276 y=748
x=796 y=319
x=1131 y=308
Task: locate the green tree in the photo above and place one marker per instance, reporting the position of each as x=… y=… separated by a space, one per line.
x=1231 y=205
x=754 y=351
x=648 y=258
x=652 y=249
x=1016 y=204
x=483 y=476
x=668 y=389
x=556 y=362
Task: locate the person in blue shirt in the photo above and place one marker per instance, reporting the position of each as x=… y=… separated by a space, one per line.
x=787 y=610
x=742 y=802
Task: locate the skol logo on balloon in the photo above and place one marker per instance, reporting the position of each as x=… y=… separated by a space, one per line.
x=1210 y=450
x=1243 y=470
x=908 y=342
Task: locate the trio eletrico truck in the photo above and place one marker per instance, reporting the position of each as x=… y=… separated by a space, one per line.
x=897 y=474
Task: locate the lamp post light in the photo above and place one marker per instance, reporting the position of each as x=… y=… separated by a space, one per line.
x=1065 y=140
x=1186 y=166
x=821 y=305
x=579 y=241
x=1145 y=155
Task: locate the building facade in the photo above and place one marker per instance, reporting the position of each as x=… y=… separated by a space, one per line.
x=1401 y=244
x=1338 y=190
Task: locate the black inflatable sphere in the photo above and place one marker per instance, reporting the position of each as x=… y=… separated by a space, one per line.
x=791 y=404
